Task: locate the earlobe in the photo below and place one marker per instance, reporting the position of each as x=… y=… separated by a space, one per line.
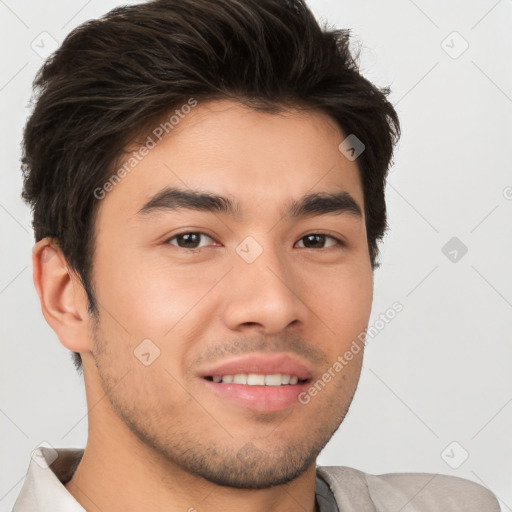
x=63 y=299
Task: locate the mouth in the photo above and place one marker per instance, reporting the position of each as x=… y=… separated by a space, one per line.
x=257 y=379
x=264 y=383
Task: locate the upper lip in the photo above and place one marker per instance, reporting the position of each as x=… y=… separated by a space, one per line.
x=266 y=364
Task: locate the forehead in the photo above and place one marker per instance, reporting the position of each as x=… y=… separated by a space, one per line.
x=228 y=149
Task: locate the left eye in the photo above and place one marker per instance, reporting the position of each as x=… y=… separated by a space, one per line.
x=189 y=240
x=319 y=239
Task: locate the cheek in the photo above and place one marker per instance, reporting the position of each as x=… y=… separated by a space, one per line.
x=341 y=297
x=148 y=296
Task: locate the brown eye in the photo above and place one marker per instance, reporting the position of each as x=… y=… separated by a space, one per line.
x=317 y=241
x=188 y=240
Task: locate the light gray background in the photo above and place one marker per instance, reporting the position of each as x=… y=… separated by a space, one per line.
x=440 y=371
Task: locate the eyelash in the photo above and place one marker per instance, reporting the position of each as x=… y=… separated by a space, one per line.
x=339 y=242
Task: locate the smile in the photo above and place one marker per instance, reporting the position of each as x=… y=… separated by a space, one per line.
x=257 y=379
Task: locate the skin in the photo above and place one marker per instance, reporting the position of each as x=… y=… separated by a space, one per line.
x=159 y=439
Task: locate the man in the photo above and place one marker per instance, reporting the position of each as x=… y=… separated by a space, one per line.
x=207 y=182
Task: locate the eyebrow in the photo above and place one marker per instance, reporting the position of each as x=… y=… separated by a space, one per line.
x=318 y=203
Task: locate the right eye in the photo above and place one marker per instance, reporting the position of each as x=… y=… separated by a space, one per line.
x=188 y=239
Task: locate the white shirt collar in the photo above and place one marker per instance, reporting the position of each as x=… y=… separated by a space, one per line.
x=43 y=489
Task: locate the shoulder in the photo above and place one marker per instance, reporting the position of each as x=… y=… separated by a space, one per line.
x=422 y=492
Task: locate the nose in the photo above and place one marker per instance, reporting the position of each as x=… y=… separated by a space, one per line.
x=264 y=295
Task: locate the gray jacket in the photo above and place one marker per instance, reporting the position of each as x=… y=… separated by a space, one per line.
x=356 y=491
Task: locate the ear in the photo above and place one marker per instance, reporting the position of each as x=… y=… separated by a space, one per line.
x=62 y=296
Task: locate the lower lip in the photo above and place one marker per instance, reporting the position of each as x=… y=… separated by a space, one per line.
x=259 y=398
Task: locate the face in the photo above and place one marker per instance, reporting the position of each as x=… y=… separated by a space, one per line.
x=217 y=316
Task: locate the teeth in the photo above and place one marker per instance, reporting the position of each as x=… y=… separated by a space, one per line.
x=273 y=380
x=257 y=379
x=240 y=378
x=253 y=379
